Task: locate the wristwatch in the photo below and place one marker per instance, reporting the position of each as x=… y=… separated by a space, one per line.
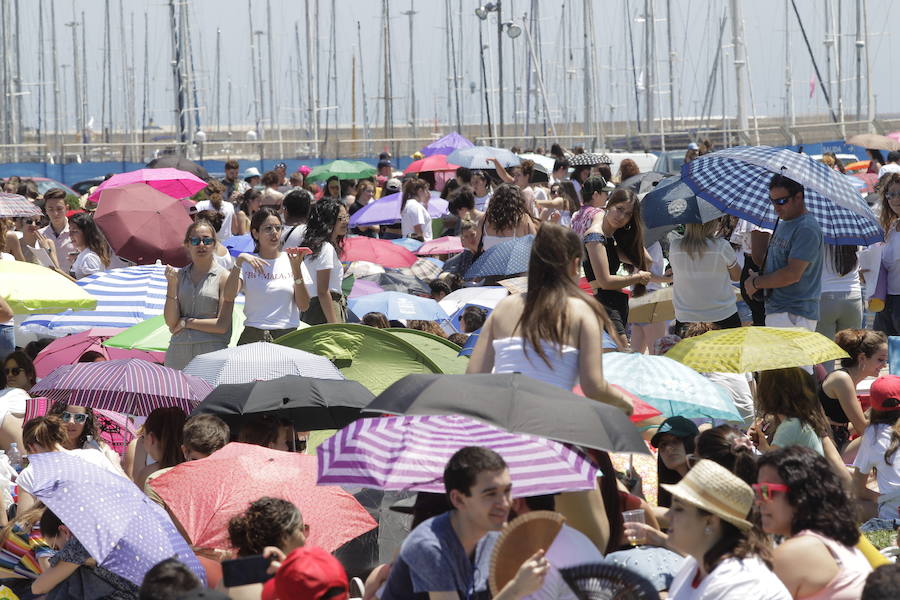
x=299 y=281
x=183 y=323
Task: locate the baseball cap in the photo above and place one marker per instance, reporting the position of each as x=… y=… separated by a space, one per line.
x=393 y=185
x=693 y=146
x=885 y=393
x=308 y=573
x=677 y=426
x=281 y=165
x=384 y=163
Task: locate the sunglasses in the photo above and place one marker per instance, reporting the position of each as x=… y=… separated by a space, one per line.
x=207 y=241
x=77 y=418
x=31 y=221
x=765 y=492
x=14 y=371
x=780 y=201
x=272 y=229
x=892 y=195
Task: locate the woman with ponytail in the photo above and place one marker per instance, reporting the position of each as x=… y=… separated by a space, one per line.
x=878 y=449
x=215 y=191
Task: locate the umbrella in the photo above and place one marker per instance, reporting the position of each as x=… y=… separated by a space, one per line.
x=736 y=180
x=410 y=453
x=205 y=494
x=869 y=179
x=449 y=244
x=361 y=268
x=398 y=306
x=381 y=252
x=486 y=296
x=343 y=169
x=130 y=386
x=171 y=182
x=603 y=581
x=425 y=269
x=874 y=141
x=446 y=145
x=30 y=288
x=123 y=297
x=642 y=410
x=310 y=404
x=669 y=386
x=456 y=317
x=589 y=159
x=361 y=287
x=386 y=210
x=506 y=258
x=410 y=244
x=673 y=203
x=393 y=281
x=14 y=205
x=435 y=162
x=240 y=243
x=518 y=404
x=542 y=163
x=120 y=527
x=259 y=361
x=477 y=157
x=179 y=162
x=143 y=224
x=154 y=335
x=67 y=350
x=643 y=183
x=748 y=349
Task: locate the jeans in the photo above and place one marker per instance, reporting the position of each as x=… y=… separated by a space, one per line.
x=837 y=311
x=888 y=320
x=7 y=339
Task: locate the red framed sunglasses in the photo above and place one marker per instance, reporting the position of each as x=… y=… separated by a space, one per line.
x=765 y=492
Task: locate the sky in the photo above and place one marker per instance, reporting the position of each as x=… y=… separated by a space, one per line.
x=558 y=38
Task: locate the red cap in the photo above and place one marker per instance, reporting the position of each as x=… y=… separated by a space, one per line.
x=308 y=573
x=72 y=213
x=885 y=393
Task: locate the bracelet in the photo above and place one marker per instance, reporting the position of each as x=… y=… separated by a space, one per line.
x=172 y=297
x=753 y=283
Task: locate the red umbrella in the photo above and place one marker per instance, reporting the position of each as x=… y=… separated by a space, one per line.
x=642 y=410
x=870 y=178
x=449 y=244
x=435 y=162
x=205 y=494
x=382 y=252
x=67 y=350
x=143 y=224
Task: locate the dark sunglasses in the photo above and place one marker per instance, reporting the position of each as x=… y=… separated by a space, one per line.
x=14 y=372
x=77 y=418
x=780 y=201
x=207 y=241
x=31 y=221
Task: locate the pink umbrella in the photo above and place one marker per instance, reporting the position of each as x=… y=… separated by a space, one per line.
x=171 y=182
x=115 y=429
x=67 y=350
x=380 y=252
x=435 y=162
x=449 y=244
x=363 y=287
x=894 y=135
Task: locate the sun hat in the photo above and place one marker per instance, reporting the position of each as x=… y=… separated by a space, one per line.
x=308 y=573
x=680 y=427
x=715 y=489
x=252 y=172
x=885 y=393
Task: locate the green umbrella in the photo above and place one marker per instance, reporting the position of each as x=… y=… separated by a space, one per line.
x=343 y=169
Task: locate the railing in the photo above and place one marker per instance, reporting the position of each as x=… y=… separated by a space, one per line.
x=210 y=150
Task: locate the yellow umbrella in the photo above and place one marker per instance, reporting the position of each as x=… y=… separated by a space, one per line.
x=30 y=288
x=747 y=349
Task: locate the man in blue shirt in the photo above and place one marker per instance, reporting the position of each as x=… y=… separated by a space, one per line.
x=793 y=269
x=448 y=557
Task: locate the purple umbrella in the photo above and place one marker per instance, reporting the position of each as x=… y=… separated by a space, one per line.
x=409 y=453
x=387 y=210
x=121 y=528
x=361 y=287
x=446 y=145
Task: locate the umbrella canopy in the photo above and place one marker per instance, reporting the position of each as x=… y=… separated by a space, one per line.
x=449 y=244
x=642 y=410
x=393 y=281
x=874 y=141
x=14 y=205
x=446 y=145
x=736 y=180
x=310 y=404
x=518 y=404
x=672 y=203
x=240 y=243
x=386 y=210
x=123 y=297
x=410 y=244
x=643 y=183
x=114 y=428
x=381 y=252
x=669 y=386
x=869 y=180
x=259 y=361
x=748 y=349
x=342 y=169
x=154 y=335
x=397 y=306
x=67 y=350
x=143 y=224
x=130 y=386
x=179 y=162
x=410 y=453
x=589 y=159
x=487 y=296
x=425 y=269
x=30 y=288
x=542 y=163
x=506 y=258
x=435 y=162
x=122 y=529
x=169 y=181
x=362 y=287
x=361 y=268
x=477 y=157
x=205 y=494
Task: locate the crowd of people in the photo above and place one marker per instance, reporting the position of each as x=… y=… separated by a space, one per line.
x=771 y=505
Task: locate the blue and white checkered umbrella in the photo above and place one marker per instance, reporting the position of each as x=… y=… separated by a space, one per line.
x=259 y=361
x=736 y=180
x=506 y=258
x=477 y=157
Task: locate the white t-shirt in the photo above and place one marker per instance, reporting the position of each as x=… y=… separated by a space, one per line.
x=481 y=202
x=227 y=209
x=6 y=256
x=269 y=296
x=875 y=442
x=415 y=214
x=327 y=258
x=733 y=578
x=890 y=259
x=87 y=263
x=570 y=549
x=25 y=480
x=738 y=386
x=293 y=235
x=832 y=281
x=703 y=290
x=12 y=400
x=869 y=265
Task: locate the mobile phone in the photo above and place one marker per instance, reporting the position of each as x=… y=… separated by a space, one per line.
x=245 y=570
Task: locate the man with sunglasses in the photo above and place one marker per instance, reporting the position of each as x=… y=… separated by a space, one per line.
x=793 y=267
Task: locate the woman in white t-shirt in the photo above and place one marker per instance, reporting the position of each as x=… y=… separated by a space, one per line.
x=94 y=254
x=482 y=189
x=414 y=218
x=274 y=282
x=325 y=233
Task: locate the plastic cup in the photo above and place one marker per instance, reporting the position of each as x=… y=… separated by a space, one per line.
x=635 y=516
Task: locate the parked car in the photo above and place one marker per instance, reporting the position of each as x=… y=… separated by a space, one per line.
x=82 y=187
x=669 y=162
x=45 y=183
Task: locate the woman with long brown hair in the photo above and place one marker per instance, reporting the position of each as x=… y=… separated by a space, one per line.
x=888 y=320
x=507 y=217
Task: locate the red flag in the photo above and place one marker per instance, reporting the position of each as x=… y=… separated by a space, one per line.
x=812 y=86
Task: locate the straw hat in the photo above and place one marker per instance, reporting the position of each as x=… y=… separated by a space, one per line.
x=520 y=539
x=715 y=489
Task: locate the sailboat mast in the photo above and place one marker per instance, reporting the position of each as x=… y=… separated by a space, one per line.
x=412 y=78
x=145 y=92
x=671 y=65
x=57 y=119
x=272 y=112
x=788 y=75
x=588 y=97
x=313 y=99
x=253 y=74
x=362 y=81
x=218 y=79
x=840 y=71
x=740 y=62
x=176 y=73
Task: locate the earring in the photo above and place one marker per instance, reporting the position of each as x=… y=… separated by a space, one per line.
x=708 y=530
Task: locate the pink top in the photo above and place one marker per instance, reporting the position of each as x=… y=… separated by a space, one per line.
x=854 y=568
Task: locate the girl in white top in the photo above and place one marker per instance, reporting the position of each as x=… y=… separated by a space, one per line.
x=325 y=233
x=878 y=449
x=93 y=250
x=274 y=282
x=415 y=221
x=216 y=192
x=482 y=190
x=841 y=304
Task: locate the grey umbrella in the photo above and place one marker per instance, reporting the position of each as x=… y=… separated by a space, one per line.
x=178 y=162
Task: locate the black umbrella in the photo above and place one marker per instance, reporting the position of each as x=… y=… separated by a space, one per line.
x=516 y=403
x=589 y=159
x=310 y=404
x=393 y=281
x=380 y=545
x=178 y=162
x=643 y=182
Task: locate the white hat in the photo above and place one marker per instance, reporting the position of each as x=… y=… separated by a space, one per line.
x=693 y=146
x=252 y=172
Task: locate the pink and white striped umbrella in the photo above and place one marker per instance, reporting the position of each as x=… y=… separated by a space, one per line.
x=410 y=453
x=129 y=386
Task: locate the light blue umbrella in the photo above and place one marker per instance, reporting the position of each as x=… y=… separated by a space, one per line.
x=506 y=258
x=477 y=157
x=669 y=386
x=397 y=306
x=410 y=244
x=673 y=203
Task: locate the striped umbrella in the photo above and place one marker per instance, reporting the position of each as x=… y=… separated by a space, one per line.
x=131 y=386
x=125 y=297
x=410 y=453
x=259 y=361
x=14 y=205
